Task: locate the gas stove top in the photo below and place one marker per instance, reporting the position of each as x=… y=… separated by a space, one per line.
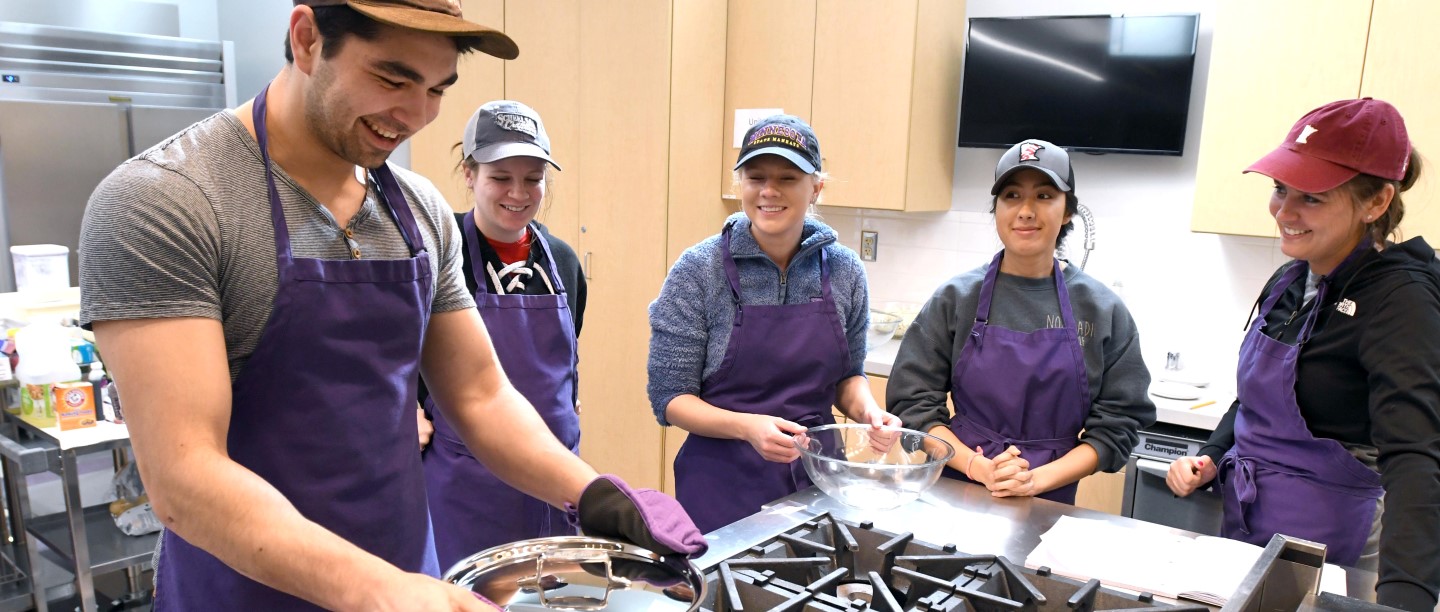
x=827 y=564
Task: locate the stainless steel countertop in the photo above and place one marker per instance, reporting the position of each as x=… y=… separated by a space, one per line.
x=951 y=512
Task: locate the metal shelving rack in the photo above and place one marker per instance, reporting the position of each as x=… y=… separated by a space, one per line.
x=85 y=540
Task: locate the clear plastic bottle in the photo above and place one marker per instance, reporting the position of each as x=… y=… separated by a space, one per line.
x=45 y=352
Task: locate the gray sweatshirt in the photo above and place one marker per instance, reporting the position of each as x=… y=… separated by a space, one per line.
x=1119 y=382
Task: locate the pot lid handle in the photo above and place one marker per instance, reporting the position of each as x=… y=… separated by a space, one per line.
x=595 y=559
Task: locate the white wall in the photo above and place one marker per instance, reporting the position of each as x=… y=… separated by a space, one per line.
x=257 y=27
x=1188 y=292
x=183 y=18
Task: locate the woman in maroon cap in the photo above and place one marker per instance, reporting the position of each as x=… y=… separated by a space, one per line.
x=1339 y=376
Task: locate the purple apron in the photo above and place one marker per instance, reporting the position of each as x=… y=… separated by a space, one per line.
x=1278 y=478
x=782 y=360
x=324 y=409
x=534 y=337
x=1025 y=389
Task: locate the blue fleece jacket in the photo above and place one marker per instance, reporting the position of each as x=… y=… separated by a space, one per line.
x=690 y=322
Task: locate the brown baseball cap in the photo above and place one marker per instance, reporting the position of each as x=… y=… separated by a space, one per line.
x=439 y=16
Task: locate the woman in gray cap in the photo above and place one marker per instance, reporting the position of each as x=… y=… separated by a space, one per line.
x=757 y=332
x=1032 y=351
x=531 y=295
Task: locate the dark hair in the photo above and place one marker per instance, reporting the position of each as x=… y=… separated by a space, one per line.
x=1366 y=186
x=1072 y=208
x=338 y=23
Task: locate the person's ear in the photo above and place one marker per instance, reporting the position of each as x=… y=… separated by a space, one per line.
x=305 y=40
x=1379 y=204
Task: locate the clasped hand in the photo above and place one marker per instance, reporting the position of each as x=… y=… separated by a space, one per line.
x=1005 y=475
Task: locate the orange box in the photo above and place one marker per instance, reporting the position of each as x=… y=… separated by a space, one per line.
x=74 y=405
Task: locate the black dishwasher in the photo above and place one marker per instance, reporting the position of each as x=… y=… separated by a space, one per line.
x=1147 y=498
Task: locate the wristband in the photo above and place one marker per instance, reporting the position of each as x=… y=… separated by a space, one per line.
x=969 y=463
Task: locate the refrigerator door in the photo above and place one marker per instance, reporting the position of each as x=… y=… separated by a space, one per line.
x=52 y=155
x=151 y=124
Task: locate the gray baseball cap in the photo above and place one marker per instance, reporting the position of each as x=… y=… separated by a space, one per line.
x=506 y=128
x=1037 y=154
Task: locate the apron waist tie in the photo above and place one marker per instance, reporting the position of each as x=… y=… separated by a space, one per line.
x=1055 y=444
x=1244 y=484
x=1245 y=468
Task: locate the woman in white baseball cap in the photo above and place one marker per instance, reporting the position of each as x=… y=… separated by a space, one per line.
x=1032 y=350
x=530 y=292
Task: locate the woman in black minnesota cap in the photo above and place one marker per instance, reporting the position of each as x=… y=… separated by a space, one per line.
x=1032 y=350
x=757 y=332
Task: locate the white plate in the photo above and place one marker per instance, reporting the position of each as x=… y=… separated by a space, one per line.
x=1175 y=391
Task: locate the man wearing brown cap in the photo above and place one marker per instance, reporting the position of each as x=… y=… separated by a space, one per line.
x=266 y=290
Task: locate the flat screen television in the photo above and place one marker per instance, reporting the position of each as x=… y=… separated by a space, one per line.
x=1097 y=83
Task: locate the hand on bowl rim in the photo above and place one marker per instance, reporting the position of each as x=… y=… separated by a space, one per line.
x=772 y=437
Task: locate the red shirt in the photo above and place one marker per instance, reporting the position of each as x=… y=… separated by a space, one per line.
x=511 y=252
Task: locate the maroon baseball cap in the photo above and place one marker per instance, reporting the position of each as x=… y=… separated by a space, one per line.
x=1332 y=144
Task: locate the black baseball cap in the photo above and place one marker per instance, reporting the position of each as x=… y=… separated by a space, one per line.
x=785 y=135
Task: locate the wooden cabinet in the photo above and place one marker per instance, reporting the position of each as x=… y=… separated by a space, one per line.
x=1102 y=492
x=1271 y=62
x=769 y=63
x=1400 y=69
x=878 y=81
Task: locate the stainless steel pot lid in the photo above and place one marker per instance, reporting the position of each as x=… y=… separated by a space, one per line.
x=580 y=573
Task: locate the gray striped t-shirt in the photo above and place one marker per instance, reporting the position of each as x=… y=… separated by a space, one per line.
x=184 y=230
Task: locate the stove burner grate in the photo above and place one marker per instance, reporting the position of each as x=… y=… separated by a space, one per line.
x=830 y=565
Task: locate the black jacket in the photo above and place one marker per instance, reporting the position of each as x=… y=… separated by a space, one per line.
x=1373 y=378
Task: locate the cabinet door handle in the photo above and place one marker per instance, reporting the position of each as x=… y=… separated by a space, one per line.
x=585 y=267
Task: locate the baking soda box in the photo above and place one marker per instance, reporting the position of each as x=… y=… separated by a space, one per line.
x=74 y=404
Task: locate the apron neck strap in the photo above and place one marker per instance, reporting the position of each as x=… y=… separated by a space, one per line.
x=987 y=291
x=391 y=196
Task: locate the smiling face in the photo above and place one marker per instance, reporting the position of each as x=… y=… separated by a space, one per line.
x=374 y=94
x=1029 y=212
x=508 y=193
x=1322 y=228
x=775 y=195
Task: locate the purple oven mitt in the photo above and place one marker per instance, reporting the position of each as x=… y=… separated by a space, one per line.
x=653 y=520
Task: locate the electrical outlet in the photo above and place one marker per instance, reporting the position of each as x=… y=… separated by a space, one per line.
x=869 y=242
